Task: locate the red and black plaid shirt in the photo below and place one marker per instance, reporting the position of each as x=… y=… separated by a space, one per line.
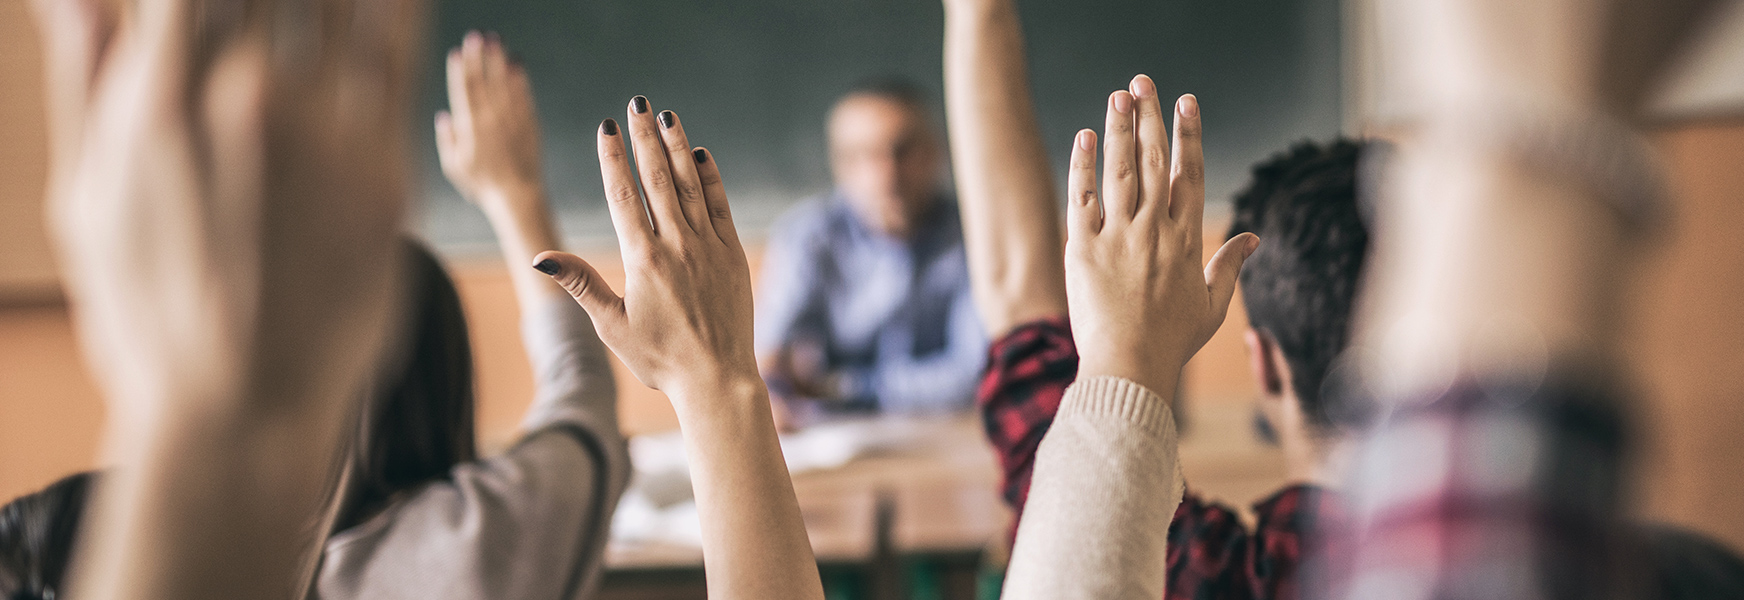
x=1211 y=555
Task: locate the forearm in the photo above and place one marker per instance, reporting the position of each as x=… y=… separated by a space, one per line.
x=754 y=542
x=1005 y=185
x=524 y=227
x=196 y=481
x=1496 y=258
x=1107 y=481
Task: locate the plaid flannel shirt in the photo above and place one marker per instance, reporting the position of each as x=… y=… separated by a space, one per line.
x=1211 y=555
x=1496 y=490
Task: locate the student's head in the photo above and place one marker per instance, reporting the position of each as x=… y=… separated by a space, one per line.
x=1299 y=287
x=885 y=154
x=419 y=424
x=36 y=539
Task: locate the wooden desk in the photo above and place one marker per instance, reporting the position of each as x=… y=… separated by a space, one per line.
x=842 y=525
x=937 y=498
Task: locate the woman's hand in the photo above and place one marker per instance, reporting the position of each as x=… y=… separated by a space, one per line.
x=685 y=318
x=1140 y=303
x=683 y=327
x=489 y=139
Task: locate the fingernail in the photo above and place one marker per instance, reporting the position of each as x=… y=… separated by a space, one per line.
x=666 y=118
x=700 y=155
x=473 y=37
x=1142 y=87
x=492 y=37
x=639 y=104
x=547 y=266
x=1122 y=102
x=1253 y=244
x=609 y=127
x=1188 y=105
x=1084 y=140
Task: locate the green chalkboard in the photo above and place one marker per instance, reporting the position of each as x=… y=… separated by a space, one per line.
x=754 y=78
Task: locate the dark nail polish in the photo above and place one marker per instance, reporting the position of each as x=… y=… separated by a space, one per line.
x=547 y=266
x=666 y=118
x=639 y=104
x=610 y=127
x=700 y=155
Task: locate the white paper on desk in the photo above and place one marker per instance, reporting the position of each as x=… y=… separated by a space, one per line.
x=660 y=506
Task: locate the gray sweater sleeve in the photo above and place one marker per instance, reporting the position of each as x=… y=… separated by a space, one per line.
x=528 y=524
x=1106 y=483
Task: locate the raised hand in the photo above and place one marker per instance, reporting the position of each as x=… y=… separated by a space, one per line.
x=226 y=190
x=1139 y=301
x=685 y=317
x=488 y=140
x=683 y=326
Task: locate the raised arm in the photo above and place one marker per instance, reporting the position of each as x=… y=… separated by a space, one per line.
x=1107 y=478
x=226 y=203
x=683 y=327
x=1005 y=186
x=1504 y=244
x=488 y=141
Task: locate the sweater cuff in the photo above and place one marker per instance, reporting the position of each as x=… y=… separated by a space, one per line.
x=1119 y=398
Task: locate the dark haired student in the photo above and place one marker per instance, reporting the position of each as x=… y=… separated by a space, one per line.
x=419 y=514
x=1298 y=288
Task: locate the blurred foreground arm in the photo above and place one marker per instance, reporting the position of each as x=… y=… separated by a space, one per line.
x=225 y=201
x=1005 y=186
x=683 y=326
x=1107 y=479
x=1503 y=248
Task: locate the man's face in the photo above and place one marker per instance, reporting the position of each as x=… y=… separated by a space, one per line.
x=886 y=161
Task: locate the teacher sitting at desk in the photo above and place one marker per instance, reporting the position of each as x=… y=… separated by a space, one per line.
x=864 y=304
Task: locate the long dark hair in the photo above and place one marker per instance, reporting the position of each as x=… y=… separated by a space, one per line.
x=36 y=538
x=414 y=429
x=419 y=425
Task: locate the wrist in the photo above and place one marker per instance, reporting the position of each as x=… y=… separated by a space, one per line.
x=509 y=197
x=972 y=13
x=1160 y=378
x=710 y=392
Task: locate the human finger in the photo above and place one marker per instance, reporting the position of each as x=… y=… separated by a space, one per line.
x=472 y=59
x=1153 y=147
x=75 y=36
x=459 y=102
x=629 y=217
x=1119 y=161
x=445 y=142
x=655 y=170
x=685 y=178
x=1083 y=210
x=1187 y=173
x=1224 y=270
x=584 y=284
x=714 y=194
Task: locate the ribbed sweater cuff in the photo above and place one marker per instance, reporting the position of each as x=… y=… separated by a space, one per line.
x=1122 y=399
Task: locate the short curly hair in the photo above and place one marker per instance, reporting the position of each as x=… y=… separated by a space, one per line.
x=1300 y=286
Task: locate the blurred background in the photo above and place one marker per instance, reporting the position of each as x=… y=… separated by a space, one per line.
x=753 y=80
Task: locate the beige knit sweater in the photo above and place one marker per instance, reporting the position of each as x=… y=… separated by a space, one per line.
x=1106 y=482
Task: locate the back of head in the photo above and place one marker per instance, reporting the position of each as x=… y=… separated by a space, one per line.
x=36 y=538
x=1300 y=286
x=419 y=425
